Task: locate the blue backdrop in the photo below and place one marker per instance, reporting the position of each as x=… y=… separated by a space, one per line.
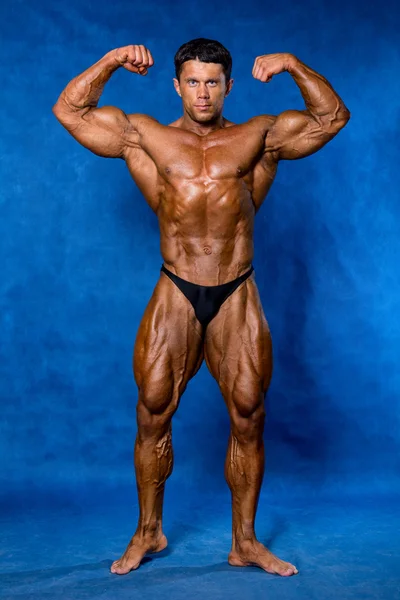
x=80 y=255
x=81 y=252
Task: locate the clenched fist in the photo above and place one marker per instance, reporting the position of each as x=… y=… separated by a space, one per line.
x=271 y=64
x=136 y=59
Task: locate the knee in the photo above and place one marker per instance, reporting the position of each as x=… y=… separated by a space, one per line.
x=248 y=418
x=158 y=395
x=156 y=405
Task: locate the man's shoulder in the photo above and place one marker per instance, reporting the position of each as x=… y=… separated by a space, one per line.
x=176 y=123
x=139 y=120
x=260 y=122
x=263 y=120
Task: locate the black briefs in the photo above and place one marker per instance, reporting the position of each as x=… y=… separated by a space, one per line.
x=206 y=299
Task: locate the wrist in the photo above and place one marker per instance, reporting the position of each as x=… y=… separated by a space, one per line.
x=291 y=62
x=111 y=59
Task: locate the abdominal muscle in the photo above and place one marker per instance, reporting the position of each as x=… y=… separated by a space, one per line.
x=207 y=237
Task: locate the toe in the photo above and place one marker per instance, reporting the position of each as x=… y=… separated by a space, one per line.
x=290 y=570
x=114 y=566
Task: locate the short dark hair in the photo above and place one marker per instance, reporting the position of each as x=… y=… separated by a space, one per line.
x=209 y=51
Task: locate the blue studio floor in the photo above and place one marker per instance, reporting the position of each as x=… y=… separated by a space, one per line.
x=343 y=550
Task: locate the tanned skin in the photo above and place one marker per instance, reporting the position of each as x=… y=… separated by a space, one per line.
x=205 y=178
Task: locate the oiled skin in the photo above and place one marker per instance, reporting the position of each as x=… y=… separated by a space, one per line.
x=205 y=183
x=205 y=191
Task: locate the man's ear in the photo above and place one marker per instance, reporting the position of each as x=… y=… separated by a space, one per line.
x=229 y=87
x=177 y=87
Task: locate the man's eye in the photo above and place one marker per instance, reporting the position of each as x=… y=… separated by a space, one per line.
x=191 y=82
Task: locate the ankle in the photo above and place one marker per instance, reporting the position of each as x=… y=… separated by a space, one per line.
x=242 y=543
x=148 y=531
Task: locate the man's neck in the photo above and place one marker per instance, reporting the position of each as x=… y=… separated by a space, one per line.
x=188 y=124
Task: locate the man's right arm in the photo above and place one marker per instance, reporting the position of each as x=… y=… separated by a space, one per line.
x=106 y=131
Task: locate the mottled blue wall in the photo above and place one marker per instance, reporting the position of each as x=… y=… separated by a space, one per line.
x=80 y=250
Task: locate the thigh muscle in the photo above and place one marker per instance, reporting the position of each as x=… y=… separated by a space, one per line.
x=168 y=348
x=238 y=349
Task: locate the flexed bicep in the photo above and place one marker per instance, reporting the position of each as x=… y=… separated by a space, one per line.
x=296 y=134
x=299 y=133
x=106 y=131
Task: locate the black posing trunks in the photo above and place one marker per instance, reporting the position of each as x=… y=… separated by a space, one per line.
x=206 y=299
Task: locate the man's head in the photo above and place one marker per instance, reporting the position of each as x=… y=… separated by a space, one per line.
x=203 y=78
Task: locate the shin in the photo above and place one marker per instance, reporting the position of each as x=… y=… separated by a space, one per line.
x=244 y=470
x=153 y=465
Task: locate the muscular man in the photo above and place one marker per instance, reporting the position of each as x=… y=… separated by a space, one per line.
x=205 y=178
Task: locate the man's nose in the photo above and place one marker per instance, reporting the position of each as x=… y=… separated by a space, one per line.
x=202 y=91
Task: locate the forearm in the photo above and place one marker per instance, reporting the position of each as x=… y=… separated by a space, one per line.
x=85 y=90
x=320 y=98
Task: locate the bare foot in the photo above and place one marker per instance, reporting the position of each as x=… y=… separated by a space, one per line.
x=251 y=553
x=134 y=553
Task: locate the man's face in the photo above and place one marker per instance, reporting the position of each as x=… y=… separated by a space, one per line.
x=203 y=88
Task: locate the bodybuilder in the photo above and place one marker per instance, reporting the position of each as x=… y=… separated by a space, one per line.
x=205 y=178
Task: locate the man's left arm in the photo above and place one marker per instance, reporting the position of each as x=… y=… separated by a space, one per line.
x=299 y=133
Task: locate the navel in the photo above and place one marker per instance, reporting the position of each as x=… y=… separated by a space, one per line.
x=207 y=250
